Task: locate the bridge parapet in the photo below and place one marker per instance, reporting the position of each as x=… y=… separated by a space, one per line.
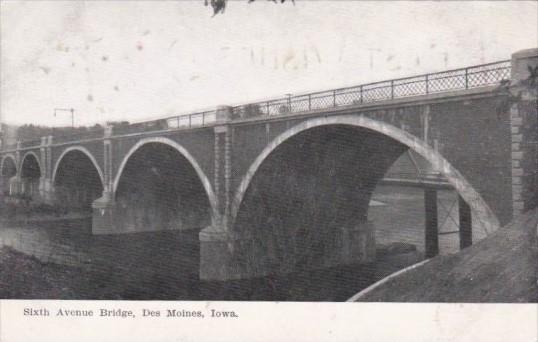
x=456 y=79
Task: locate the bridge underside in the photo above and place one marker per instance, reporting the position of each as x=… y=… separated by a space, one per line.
x=30 y=175
x=307 y=205
x=9 y=170
x=158 y=190
x=77 y=183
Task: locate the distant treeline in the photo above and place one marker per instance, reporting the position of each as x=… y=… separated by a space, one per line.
x=35 y=132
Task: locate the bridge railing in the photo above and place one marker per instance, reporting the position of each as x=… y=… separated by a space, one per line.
x=173 y=122
x=192 y=120
x=457 y=79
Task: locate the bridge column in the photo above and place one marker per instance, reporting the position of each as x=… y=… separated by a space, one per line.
x=524 y=132
x=103 y=216
x=217 y=242
x=358 y=244
x=431 y=234
x=15 y=183
x=46 y=188
x=466 y=224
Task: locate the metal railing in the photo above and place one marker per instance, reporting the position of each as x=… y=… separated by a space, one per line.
x=174 y=122
x=456 y=79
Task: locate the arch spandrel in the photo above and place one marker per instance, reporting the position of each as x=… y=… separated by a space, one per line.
x=480 y=208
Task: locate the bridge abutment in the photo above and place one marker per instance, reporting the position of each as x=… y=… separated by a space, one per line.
x=524 y=132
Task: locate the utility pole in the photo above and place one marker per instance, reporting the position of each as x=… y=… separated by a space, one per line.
x=67 y=110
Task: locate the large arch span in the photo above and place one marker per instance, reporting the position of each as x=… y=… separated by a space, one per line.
x=305 y=200
x=479 y=207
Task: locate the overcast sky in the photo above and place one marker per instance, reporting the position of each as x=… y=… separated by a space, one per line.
x=138 y=60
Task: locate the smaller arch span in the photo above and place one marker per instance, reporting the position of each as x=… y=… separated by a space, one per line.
x=479 y=207
x=183 y=152
x=86 y=152
x=37 y=159
x=5 y=158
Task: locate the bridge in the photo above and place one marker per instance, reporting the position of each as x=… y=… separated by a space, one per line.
x=284 y=183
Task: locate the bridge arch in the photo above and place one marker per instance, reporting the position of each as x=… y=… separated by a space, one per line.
x=77 y=179
x=87 y=153
x=30 y=171
x=30 y=159
x=479 y=207
x=8 y=161
x=184 y=153
x=8 y=169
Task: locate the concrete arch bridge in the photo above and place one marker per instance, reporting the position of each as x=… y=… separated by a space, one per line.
x=287 y=183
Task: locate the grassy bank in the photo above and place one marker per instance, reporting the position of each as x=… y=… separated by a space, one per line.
x=501 y=268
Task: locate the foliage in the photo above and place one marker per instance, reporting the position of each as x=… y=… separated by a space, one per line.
x=250 y=110
x=220 y=5
x=513 y=91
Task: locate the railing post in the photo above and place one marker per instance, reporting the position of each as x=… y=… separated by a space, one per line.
x=309 y=101
x=427 y=84
x=334 y=98
x=466 y=78
x=190 y=121
x=361 y=97
x=392 y=89
x=267 y=106
x=177 y=121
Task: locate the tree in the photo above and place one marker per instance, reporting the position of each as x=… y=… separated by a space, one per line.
x=220 y=5
x=513 y=91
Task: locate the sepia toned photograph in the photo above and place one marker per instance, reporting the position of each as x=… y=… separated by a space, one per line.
x=281 y=151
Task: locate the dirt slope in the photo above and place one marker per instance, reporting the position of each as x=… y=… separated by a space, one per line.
x=500 y=268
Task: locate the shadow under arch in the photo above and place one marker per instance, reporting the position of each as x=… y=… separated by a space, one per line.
x=13 y=161
x=37 y=160
x=85 y=152
x=478 y=206
x=184 y=153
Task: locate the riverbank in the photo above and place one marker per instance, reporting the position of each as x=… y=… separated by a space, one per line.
x=501 y=268
x=26 y=277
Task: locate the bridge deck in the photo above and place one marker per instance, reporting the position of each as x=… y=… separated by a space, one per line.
x=472 y=77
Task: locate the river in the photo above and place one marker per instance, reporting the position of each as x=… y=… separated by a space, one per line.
x=164 y=265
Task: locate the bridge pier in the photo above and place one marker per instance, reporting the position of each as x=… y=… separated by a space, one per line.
x=431 y=232
x=228 y=255
x=104 y=214
x=46 y=191
x=466 y=228
x=218 y=255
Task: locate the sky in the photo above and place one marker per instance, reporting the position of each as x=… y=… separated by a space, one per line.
x=138 y=60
